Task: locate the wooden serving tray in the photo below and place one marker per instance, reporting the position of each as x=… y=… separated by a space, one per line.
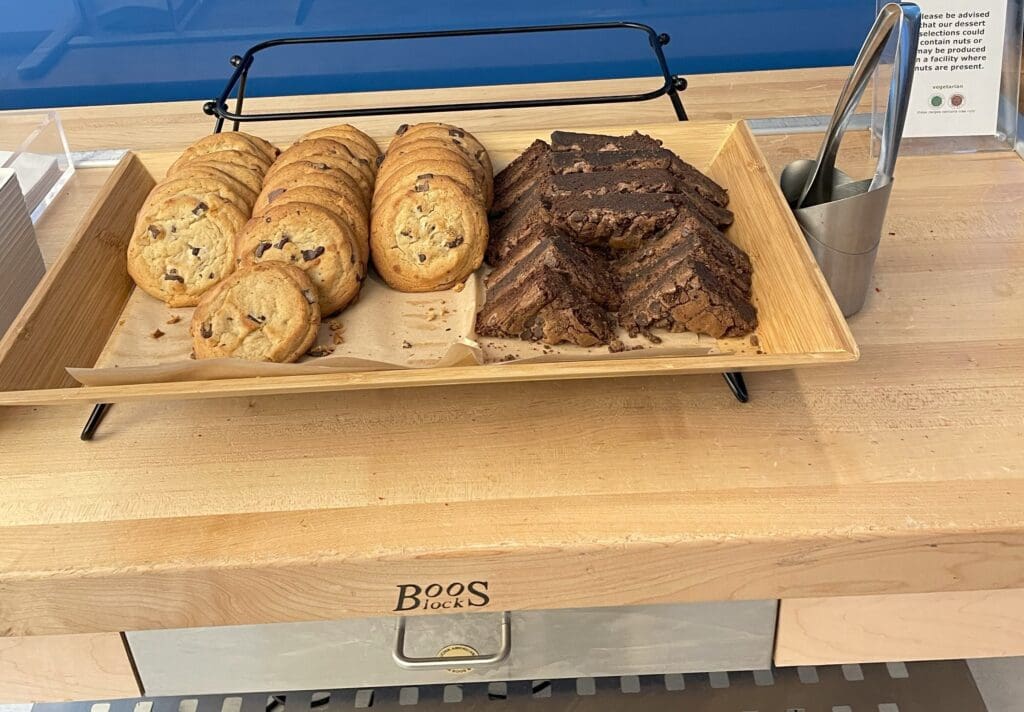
x=76 y=309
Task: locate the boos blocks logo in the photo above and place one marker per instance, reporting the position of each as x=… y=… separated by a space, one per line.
x=436 y=596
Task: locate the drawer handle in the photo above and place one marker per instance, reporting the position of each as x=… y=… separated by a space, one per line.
x=439 y=663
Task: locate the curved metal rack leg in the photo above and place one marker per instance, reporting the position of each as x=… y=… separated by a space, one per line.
x=99 y=412
x=737 y=385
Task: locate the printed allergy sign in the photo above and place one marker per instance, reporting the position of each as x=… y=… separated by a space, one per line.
x=959 y=60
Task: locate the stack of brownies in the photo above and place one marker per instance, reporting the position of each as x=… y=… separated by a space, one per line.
x=595 y=231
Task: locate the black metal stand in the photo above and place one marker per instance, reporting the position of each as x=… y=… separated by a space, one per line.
x=671 y=87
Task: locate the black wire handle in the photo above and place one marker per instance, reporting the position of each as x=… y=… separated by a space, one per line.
x=218 y=107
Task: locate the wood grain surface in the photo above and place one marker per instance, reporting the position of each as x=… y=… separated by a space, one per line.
x=920 y=626
x=58 y=668
x=901 y=473
x=70 y=314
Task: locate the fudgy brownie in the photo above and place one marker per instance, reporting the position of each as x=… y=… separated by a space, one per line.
x=525 y=222
x=585 y=142
x=688 y=225
x=585 y=269
x=563 y=162
x=617 y=221
x=691 y=296
x=689 y=278
x=528 y=167
x=633 y=181
x=589 y=185
x=699 y=183
x=568 y=319
x=552 y=291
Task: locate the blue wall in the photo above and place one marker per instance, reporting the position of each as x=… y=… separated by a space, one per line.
x=74 y=52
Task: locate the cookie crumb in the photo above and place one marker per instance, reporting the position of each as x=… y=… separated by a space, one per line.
x=156 y=334
x=754 y=341
x=121 y=322
x=431 y=314
x=877 y=289
x=459 y=287
x=174 y=319
x=321 y=350
x=508 y=357
x=616 y=347
x=406 y=345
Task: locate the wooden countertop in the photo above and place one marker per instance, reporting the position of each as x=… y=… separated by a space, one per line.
x=901 y=473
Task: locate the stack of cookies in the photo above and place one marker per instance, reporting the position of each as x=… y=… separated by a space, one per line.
x=182 y=242
x=429 y=213
x=313 y=213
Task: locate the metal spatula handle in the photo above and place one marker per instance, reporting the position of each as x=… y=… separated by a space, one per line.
x=907 y=17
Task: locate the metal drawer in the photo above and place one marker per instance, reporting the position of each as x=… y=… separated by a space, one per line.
x=634 y=640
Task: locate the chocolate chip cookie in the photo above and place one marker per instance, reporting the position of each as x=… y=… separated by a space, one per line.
x=244 y=168
x=428 y=238
x=313 y=239
x=239 y=189
x=403 y=172
x=357 y=141
x=228 y=141
x=304 y=173
x=467 y=144
x=325 y=150
x=180 y=248
x=343 y=206
x=262 y=312
x=427 y=145
x=195 y=185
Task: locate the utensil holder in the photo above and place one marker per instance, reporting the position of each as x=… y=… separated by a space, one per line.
x=842 y=219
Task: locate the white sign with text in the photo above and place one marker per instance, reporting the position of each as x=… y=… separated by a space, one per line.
x=959 y=61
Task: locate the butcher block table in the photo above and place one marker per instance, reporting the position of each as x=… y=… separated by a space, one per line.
x=881 y=501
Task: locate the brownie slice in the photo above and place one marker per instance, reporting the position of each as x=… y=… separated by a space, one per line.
x=690 y=297
x=567 y=319
x=519 y=175
x=689 y=278
x=584 y=142
x=563 y=162
x=589 y=185
x=688 y=233
x=654 y=180
x=526 y=222
x=585 y=269
x=699 y=183
x=618 y=221
x=552 y=291
x=547 y=309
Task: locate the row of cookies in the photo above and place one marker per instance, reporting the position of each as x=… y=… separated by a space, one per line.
x=182 y=242
x=428 y=228
x=313 y=213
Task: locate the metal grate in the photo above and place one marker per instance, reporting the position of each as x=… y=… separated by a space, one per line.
x=911 y=687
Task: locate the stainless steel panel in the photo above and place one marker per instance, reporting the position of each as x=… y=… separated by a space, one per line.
x=635 y=640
